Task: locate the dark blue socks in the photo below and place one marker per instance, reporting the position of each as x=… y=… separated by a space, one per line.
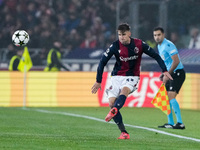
x=118 y=118
x=119 y=122
x=120 y=102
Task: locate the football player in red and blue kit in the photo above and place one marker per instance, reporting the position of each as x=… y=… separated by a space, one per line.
x=125 y=75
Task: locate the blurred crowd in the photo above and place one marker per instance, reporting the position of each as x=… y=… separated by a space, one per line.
x=87 y=24
x=76 y=23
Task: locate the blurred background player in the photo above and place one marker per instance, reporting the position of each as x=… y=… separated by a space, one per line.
x=14 y=62
x=54 y=58
x=125 y=75
x=170 y=56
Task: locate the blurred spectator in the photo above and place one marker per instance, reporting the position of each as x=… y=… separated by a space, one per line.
x=54 y=58
x=109 y=40
x=72 y=22
x=14 y=62
x=195 y=39
x=90 y=40
x=84 y=25
x=64 y=20
x=11 y=51
x=75 y=23
x=174 y=37
x=101 y=42
x=73 y=40
x=151 y=43
x=97 y=27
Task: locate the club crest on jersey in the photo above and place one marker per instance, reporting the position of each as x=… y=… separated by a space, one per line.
x=119 y=51
x=136 y=50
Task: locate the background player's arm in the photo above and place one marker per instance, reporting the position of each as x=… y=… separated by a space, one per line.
x=174 y=63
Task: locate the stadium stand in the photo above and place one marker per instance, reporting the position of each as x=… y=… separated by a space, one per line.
x=85 y=26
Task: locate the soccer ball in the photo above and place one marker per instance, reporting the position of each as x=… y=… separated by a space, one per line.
x=20 y=38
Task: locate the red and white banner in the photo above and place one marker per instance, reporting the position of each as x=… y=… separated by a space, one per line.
x=147 y=88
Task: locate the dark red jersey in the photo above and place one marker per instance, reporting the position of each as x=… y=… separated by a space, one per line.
x=128 y=58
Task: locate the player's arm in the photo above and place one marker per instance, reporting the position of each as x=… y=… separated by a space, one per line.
x=103 y=61
x=175 y=63
x=173 y=52
x=150 y=51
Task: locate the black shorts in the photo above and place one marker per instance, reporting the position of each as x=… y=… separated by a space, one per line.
x=178 y=79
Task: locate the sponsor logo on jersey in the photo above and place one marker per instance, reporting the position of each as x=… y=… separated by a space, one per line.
x=128 y=58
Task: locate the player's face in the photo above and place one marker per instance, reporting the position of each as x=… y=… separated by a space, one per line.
x=158 y=36
x=124 y=37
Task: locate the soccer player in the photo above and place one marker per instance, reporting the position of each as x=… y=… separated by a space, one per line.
x=170 y=56
x=125 y=75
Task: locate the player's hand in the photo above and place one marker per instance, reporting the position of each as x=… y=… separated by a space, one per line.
x=161 y=77
x=95 y=87
x=166 y=77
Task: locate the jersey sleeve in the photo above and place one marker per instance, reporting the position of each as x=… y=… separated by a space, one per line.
x=150 y=51
x=103 y=61
x=171 y=49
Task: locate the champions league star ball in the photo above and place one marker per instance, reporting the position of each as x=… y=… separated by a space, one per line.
x=20 y=38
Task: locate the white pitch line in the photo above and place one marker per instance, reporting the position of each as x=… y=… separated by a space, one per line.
x=101 y=120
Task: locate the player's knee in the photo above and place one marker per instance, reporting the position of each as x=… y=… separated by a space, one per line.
x=125 y=91
x=172 y=95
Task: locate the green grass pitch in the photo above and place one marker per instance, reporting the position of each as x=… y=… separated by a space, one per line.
x=57 y=129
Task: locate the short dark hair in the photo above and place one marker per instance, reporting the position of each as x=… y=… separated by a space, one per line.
x=124 y=27
x=159 y=28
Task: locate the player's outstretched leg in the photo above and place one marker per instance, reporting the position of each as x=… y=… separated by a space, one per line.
x=112 y=113
x=118 y=120
x=117 y=106
x=119 y=103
